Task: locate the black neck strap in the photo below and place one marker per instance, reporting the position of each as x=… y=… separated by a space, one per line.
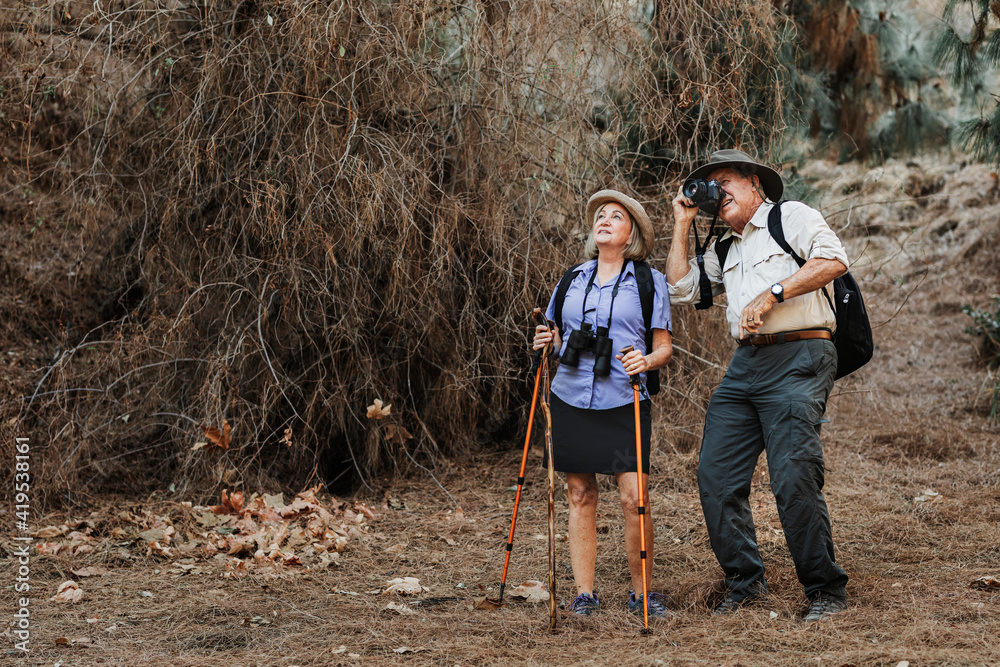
x=704 y=284
x=614 y=293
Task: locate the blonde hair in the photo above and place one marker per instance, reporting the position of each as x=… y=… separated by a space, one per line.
x=635 y=249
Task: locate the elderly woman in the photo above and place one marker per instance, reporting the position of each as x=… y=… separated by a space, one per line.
x=593 y=416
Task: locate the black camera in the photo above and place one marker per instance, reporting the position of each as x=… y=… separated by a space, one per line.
x=585 y=339
x=705 y=194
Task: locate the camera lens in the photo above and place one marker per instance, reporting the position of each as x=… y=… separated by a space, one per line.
x=694 y=190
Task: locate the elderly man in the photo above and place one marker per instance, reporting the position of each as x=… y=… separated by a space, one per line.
x=774 y=393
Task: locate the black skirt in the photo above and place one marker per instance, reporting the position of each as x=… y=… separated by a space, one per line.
x=597 y=441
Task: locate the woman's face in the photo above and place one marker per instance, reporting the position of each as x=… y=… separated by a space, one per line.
x=612 y=228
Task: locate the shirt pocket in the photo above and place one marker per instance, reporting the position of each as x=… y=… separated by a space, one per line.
x=770 y=265
x=733 y=258
x=628 y=322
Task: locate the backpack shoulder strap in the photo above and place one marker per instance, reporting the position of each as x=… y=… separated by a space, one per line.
x=777 y=232
x=722 y=250
x=644 y=280
x=561 y=290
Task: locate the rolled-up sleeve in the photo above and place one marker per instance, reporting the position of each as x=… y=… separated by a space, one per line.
x=811 y=236
x=661 y=303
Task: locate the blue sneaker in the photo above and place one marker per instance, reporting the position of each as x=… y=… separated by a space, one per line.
x=586 y=605
x=657 y=605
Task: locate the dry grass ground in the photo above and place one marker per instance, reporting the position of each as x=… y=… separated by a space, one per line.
x=914 y=421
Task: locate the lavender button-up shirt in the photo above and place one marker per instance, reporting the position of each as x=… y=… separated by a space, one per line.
x=579 y=386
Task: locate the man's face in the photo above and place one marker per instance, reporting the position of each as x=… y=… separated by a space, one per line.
x=740 y=200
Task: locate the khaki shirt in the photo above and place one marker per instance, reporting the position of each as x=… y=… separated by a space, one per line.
x=756 y=261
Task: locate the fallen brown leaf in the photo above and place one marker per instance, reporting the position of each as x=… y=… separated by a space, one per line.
x=50 y=548
x=401 y=609
x=397 y=434
x=404 y=586
x=231 y=504
x=154 y=548
x=49 y=532
x=216 y=439
x=91 y=571
x=68 y=591
x=364 y=509
x=532 y=591
x=985 y=583
x=377 y=410
x=78 y=641
x=486 y=603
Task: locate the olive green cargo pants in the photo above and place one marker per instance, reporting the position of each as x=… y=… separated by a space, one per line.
x=771 y=399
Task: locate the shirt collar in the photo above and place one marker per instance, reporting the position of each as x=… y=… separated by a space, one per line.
x=759 y=220
x=590 y=266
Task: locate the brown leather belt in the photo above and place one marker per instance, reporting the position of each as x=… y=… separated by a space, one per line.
x=786 y=337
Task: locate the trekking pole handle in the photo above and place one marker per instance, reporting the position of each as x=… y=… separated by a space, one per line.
x=632 y=379
x=539 y=318
x=536 y=315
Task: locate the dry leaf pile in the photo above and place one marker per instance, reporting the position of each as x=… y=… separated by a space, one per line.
x=260 y=533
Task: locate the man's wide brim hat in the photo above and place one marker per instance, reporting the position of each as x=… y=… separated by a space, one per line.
x=770 y=181
x=634 y=208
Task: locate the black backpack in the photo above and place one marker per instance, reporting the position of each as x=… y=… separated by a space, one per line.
x=644 y=279
x=853 y=338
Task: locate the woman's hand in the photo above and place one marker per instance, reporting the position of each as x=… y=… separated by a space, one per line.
x=544 y=335
x=634 y=362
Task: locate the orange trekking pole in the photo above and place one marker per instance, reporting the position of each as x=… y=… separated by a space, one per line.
x=540 y=360
x=636 y=384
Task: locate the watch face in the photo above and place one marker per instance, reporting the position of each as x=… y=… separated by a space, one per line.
x=776 y=289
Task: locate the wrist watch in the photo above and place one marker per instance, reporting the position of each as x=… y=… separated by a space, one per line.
x=778 y=291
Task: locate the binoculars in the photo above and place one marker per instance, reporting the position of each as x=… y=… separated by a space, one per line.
x=705 y=194
x=585 y=339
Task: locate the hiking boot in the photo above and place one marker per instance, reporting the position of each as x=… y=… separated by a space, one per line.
x=824 y=605
x=657 y=605
x=586 y=605
x=727 y=607
x=731 y=605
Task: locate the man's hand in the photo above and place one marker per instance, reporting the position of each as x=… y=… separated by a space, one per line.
x=811 y=276
x=752 y=317
x=677 y=259
x=685 y=211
